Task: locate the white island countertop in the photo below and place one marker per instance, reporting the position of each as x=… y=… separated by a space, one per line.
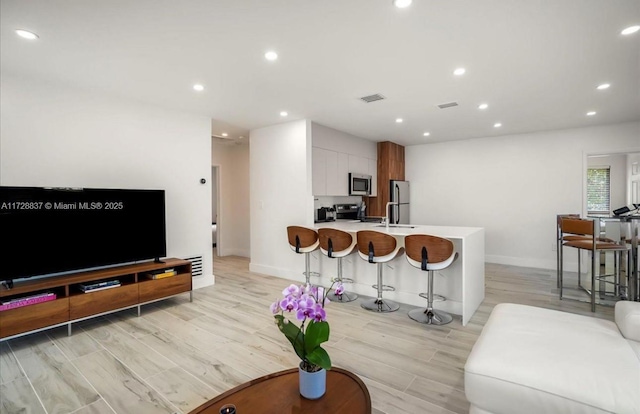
x=462 y=283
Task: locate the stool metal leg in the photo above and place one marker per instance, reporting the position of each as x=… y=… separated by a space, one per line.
x=430 y=316
x=345 y=296
x=307 y=269
x=379 y=304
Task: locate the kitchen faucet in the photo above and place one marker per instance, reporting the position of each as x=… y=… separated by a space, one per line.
x=387 y=212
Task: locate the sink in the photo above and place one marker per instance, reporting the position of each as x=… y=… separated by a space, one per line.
x=404 y=226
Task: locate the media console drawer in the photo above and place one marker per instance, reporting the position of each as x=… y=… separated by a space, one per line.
x=156 y=289
x=93 y=303
x=31 y=317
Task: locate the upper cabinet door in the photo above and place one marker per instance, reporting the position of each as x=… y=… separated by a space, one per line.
x=319 y=171
x=332 y=172
x=358 y=165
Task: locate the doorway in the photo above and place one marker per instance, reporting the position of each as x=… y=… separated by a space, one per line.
x=215 y=209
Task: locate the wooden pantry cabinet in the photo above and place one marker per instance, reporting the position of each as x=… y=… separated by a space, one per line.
x=72 y=304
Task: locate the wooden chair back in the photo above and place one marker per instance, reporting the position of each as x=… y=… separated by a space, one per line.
x=577 y=226
x=305 y=236
x=383 y=244
x=334 y=240
x=438 y=249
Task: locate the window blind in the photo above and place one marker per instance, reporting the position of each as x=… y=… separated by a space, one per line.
x=598 y=190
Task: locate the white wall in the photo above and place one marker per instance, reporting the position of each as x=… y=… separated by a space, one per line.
x=54 y=136
x=513 y=185
x=280 y=195
x=233 y=217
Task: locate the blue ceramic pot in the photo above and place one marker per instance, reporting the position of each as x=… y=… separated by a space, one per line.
x=312 y=384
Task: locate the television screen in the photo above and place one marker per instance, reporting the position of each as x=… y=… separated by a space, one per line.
x=56 y=230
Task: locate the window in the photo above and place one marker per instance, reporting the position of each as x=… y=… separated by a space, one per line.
x=598 y=195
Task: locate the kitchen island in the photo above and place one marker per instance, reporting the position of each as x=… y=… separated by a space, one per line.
x=462 y=283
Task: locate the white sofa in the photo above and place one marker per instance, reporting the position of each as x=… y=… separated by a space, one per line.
x=534 y=360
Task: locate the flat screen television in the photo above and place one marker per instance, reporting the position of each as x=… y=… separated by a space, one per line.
x=49 y=231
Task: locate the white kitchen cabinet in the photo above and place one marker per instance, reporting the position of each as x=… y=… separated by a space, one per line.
x=358 y=164
x=342 y=183
x=330 y=171
x=373 y=172
x=319 y=171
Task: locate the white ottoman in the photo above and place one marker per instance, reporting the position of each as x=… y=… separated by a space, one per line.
x=540 y=361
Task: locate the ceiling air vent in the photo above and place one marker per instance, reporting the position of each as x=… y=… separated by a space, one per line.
x=447 y=105
x=372 y=98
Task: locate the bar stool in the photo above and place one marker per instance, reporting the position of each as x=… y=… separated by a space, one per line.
x=429 y=253
x=303 y=240
x=337 y=244
x=378 y=248
x=594 y=244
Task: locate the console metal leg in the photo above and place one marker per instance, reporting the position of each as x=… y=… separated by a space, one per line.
x=69 y=329
x=191 y=296
x=139 y=309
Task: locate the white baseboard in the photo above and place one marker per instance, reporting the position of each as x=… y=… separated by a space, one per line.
x=569 y=265
x=199 y=282
x=233 y=251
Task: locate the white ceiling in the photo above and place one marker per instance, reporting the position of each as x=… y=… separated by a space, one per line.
x=535 y=62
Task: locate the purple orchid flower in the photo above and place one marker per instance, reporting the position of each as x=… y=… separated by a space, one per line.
x=275 y=307
x=339 y=290
x=320 y=315
x=291 y=290
x=289 y=304
x=306 y=307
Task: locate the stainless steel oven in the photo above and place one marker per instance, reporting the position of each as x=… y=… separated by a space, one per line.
x=359 y=184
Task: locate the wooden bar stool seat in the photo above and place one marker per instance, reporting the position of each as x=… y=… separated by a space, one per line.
x=429 y=253
x=304 y=240
x=337 y=244
x=378 y=248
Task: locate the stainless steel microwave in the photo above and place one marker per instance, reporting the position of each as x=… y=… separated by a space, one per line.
x=359 y=184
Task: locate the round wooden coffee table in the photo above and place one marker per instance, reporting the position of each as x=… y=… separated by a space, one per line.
x=278 y=393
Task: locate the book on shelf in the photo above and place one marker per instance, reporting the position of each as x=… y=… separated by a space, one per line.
x=162 y=275
x=27 y=300
x=95 y=289
x=98 y=285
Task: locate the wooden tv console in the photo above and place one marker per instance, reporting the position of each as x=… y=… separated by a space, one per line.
x=72 y=304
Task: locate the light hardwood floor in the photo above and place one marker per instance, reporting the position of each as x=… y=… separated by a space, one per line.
x=179 y=354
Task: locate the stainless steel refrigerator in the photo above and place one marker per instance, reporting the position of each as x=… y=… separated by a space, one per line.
x=399 y=214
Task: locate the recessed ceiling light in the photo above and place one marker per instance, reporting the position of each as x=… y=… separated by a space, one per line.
x=604 y=86
x=630 y=30
x=591 y=113
x=497 y=125
x=426 y=134
x=284 y=113
x=224 y=134
x=399 y=120
x=483 y=106
x=401 y=4
x=198 y=87
x=271 y=55
x=26 y=34
x=459 y=71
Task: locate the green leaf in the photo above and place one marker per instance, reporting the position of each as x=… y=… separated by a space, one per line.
x=293 y=334
x=320 y=357
x=316 y=334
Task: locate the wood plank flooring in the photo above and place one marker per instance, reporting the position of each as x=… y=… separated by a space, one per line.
x=179 y=354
